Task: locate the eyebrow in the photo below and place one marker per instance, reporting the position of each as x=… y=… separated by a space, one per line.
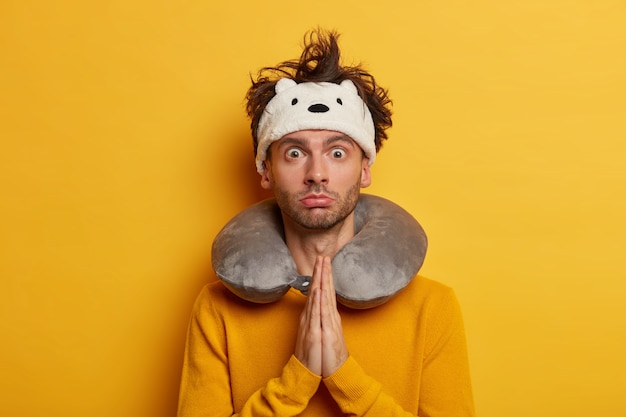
x=331 y=140
x=341 y=138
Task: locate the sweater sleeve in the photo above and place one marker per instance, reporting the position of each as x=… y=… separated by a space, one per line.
x=445 y=381
x=446 y=388
x=205 y=388
x=358 y=394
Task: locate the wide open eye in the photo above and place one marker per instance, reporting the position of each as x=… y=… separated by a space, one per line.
x=338 y=153
x=293 y=153
x=339 y=101
x=294 y=101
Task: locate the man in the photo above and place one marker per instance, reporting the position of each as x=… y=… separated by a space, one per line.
x=307 y=355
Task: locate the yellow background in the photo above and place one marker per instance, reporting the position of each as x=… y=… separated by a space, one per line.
x=125 y=148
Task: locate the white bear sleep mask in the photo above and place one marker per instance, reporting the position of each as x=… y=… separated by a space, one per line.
x=310 y=105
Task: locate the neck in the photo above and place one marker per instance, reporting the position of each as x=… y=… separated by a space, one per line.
x=306 y=244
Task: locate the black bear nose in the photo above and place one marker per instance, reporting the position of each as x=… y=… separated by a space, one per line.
x=318 y=108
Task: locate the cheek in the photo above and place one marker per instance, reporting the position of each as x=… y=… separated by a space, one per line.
x=352 y=174
x=287 y=173
x=276 y=180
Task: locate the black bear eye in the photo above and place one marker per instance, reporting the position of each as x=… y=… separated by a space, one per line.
x=294 y=101
x=339 y=101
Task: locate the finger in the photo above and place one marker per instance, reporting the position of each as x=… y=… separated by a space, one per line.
x=311 y=302
x=309 y=340
x=331 y=320
x=315 y=318
x=316 y=278
x=324 y=276
x=328 y=282
x=312 y=310
x=329 y=301
x=334 y=349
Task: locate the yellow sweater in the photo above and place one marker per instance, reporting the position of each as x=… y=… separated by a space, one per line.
x=408 y=357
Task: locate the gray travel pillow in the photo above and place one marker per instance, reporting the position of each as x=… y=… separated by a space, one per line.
x=251 y=258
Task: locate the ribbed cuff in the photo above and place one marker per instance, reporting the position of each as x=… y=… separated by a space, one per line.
x=297 y=382
x=353 y=390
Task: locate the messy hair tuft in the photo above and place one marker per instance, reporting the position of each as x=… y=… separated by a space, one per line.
x=320 y=61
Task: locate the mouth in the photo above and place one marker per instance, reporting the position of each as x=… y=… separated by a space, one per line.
x=316 y=201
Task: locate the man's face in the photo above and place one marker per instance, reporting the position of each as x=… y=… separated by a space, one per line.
x=316 y=176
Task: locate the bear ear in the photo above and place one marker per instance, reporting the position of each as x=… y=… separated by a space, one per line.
x=349 y=85
x=283 y=84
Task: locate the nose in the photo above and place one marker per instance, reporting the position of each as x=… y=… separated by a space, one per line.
x=317 y=171
x=318 y=108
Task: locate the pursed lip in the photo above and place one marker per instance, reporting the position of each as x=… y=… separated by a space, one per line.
x=316 y=200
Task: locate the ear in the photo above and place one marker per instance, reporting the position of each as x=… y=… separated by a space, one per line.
x=366 y=174
x=349 y=85
x=283 y=84
x=266 y=182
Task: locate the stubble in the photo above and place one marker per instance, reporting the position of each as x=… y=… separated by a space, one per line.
x=322 y=218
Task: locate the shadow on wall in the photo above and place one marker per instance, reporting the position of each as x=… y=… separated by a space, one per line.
x=228 y=185
x=242 y=174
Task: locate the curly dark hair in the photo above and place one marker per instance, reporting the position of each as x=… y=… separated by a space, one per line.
x=320 y=61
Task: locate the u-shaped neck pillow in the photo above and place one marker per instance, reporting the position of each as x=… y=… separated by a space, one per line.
x=250 y=257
